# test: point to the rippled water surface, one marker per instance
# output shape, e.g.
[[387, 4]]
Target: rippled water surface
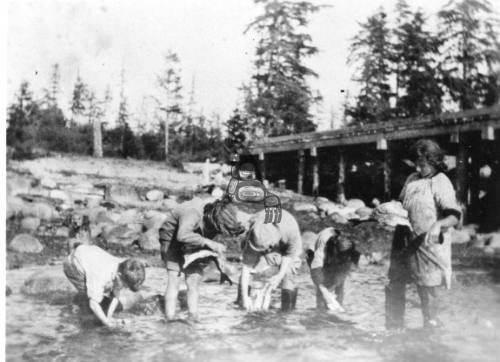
[[50, 329]]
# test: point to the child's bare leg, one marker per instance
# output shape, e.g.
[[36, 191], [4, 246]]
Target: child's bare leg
[[320, 302], [171, 293], [192, 282], [339, 292]]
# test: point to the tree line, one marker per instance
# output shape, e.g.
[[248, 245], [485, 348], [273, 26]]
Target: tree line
[[403, 70]]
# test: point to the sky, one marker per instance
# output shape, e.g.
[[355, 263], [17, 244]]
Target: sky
[[98, 38]]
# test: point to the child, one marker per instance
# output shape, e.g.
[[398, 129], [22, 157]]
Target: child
[[97, 274], [272, 245], [421, 253], [188, 228], [330, 259]]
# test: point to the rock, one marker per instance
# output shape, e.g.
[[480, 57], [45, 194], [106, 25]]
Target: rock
[[62, 231], [46, 283], [154, 219], [217, 192], [393, 208], [321, 200], [18, 185], [30, 224], [375, 202], [328, 208], [363, 260], [168, 204], [376, 257], [305, 206], [25, 243], [120, 234], [8, 291], [15, 206], [339, 219], [489, 250], [460, 236], [493, 241], [309, 239], [485, 171], [41, 210], [130, 216], [102, 217], [95, 230], [354, 204], [124, 194], [155, 195], [150, 240], [48, 183], [364, 212], [60, 195]]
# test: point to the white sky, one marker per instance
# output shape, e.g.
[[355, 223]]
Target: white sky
[[98, 37]]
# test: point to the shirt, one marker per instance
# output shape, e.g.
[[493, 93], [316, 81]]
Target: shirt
[[99, 269], [428, 199], [289, 244]]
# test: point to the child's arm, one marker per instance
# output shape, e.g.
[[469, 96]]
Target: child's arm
[[97, 309], [275, 280], [112, 307]]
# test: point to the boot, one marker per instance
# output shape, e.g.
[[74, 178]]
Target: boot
[[288, 299]]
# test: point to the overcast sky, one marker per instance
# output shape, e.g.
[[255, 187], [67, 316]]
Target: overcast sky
[[98, 38]]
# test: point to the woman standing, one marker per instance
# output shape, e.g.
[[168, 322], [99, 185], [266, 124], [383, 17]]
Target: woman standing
[[421, 251]]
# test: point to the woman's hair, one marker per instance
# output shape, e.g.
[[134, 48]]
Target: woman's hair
[[220, 216], [133, 273], [432, 153]]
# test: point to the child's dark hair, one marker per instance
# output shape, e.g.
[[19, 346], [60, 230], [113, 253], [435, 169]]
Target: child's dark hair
[[220, 216], [133, 273], [431, 151]]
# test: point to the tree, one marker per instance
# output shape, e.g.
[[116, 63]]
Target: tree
[[371, 52], [278, 98], [52, 92], [469, 31], [238, 128], [169, 83], [415, 50], [78, 100], [22, 122]]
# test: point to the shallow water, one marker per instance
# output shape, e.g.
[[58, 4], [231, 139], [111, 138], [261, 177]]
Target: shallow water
[[50, 329]]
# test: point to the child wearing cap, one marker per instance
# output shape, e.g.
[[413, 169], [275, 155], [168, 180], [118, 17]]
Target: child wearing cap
[[272, 245], [97, 274], [330, 259], [187, 229]]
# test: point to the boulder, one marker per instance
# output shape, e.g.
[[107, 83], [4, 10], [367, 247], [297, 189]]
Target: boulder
[[62, 231], [328, 208], [393, 208], [376, 257], [60, 195], [120, 234], [217, 192], [493, 241], [46, 283], [154, 219], [48, 183], [124, 194], [95, 230], [30, 224], [354, 203], [41, 210], [126, 217], [364, 212], [305, 206], [25, 243], [321, 200], [15, 206], [149, 240], [338, 218], [155, 195], [375, 202], [18, 185], [102, 217]]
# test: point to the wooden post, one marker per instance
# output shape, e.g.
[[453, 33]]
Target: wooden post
[[461, 173], [387, 173], [262, 165], [474, 178], [300, 180], [97, 137], [341, 178], [315, 186]]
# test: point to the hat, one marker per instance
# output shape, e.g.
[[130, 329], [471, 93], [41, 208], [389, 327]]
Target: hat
[[262, 237]]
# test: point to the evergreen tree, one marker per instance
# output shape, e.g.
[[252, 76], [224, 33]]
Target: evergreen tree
[[371, 52], [169, 83], [278, 99], [418, 85], [238, 129], [78, 100], [469, 29], [95, 111], [52, 92]]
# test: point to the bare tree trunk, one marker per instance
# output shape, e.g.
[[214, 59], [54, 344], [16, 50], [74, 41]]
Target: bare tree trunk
[[341, 177], [166, 137], [97, 137]]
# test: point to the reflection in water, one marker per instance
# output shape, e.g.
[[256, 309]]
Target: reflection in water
[[51, 329]]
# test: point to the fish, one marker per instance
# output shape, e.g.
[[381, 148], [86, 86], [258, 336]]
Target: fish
[[219, 260]]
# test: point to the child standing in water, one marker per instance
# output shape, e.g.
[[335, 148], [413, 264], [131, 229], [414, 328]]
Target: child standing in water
[[275, 246], [421, 253], [188, 228], [97, 274]]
